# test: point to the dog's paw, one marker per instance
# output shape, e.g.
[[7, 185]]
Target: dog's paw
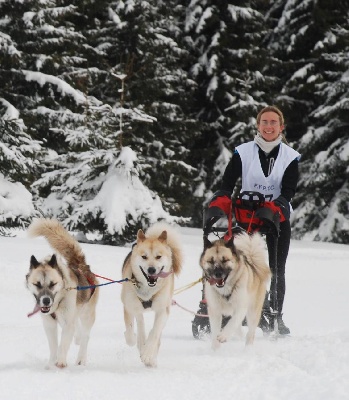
[[131, 338], [222, 338], [61, 364], [149, 360], [81, 361], [149, 354]]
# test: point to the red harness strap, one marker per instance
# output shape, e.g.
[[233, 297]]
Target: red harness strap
[[229, 234], [250, 224], [246, 218]]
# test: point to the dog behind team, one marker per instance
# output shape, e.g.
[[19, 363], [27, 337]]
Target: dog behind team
[[49, 281], [236, 276], [150, 266]]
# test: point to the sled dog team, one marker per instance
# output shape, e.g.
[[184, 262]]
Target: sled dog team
[[236, 275]]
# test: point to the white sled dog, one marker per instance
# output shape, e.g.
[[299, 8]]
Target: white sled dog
[[237, 276], [50, 281], [150, 267]]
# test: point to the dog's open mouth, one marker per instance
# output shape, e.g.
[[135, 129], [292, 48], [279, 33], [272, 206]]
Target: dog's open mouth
[[152, 279], [37, 308], [219, 282]]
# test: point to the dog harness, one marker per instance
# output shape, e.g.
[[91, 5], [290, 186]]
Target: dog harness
[[145, 303]]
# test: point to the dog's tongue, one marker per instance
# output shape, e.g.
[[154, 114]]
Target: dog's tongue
[[213, 281], [36, 309], [162, 274]]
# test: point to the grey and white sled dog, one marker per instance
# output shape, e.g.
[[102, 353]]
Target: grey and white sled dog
[[236, 278], [150, 266], [50, 280]]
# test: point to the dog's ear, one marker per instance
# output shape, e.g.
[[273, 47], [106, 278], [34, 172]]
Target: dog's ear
[[33, 262], [140, 236], [53, 262], [163, 236], [230, 245], [207, 243]]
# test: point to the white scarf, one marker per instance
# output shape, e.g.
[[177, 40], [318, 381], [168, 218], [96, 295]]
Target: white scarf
[[267, 147]]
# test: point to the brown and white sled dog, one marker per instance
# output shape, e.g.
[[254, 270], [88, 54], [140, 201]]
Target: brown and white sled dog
[[236, 276], [150, 266], [50, 280]]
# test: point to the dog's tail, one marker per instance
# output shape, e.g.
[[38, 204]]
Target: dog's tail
[[253, 248], [173, 241], [60, 240]]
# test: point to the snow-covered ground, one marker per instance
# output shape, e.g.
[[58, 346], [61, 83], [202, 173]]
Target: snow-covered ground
[[313, 363]]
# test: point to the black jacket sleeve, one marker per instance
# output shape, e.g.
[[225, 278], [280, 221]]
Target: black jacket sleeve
[[288, 188], [290, 180], [232, 173]]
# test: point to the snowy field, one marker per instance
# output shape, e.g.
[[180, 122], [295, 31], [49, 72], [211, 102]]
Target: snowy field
[[311, 364]]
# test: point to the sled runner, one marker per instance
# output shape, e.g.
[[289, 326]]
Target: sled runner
[[248, 213]]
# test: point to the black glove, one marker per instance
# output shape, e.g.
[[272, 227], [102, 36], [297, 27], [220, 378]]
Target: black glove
[[218, 207], [284, 206], [219, 193]]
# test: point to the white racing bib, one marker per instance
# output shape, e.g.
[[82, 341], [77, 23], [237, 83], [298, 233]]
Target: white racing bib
[[253, 178]]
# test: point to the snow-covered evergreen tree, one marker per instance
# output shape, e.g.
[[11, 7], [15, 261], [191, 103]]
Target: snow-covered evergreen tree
[[152, 56], [225, 37], [95, 185], [18, 165], [199, 71], [310, 42], [296, 29], [322, 204], [65, 67]]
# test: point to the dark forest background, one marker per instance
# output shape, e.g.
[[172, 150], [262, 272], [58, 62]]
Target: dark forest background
[[180, 83]]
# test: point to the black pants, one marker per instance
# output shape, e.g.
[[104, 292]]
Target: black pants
[[283, 246]]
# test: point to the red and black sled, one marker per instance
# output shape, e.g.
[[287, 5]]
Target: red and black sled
[[248, 213]]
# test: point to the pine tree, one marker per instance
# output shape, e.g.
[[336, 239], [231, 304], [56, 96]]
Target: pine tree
[[225, 37], [18, 163], [195, 75], [93, 41], [75, 106], [18, 152], [312, 50], [295, 31], [151, 55], [95, 186], [43, 39], [322, 211]]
